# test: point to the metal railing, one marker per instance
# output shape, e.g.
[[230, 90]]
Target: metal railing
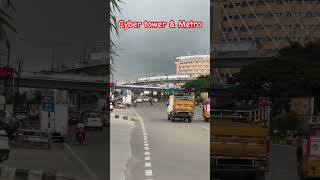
[[257, 114]]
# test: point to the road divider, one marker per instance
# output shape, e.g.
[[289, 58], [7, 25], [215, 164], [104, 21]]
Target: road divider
[[26, 174], [122, 117]]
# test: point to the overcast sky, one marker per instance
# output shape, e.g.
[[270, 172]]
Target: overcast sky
[[63, 24], [153, 51]]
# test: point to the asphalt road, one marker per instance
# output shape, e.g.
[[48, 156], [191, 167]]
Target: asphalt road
[[94, 154], [283, 163], [89, 161], [177, 151]]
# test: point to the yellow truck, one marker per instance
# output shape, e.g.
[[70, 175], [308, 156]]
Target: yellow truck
[[180, 107], [308, 152], [239, 140]]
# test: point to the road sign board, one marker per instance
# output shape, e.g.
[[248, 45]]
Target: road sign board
[[47, 103]]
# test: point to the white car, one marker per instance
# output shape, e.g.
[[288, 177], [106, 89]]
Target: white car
[[146, 99], [139, 100], [111, 107], [155, 100], [94, 121]]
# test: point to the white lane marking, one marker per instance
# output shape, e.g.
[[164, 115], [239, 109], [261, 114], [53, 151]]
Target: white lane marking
[[86, 167], [205, 127], [148, 172], [147, 164]]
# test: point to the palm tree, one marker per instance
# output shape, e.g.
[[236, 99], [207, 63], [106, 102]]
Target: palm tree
[[5, 24], [113, 21]]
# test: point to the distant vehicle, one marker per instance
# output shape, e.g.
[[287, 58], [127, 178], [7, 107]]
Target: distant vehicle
[[111, 107], [146, 99], [93, 121], [4, 146], [74, 118], [206, 111], [139, 100]]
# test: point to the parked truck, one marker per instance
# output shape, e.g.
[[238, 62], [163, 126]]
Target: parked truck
[[181, 106], [239, 143]]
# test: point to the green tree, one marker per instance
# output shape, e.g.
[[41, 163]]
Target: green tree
[[294, 73], [201, 84], [288, 121]]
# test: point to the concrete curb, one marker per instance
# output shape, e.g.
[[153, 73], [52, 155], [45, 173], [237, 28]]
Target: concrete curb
[[122, 117], [26, 174]]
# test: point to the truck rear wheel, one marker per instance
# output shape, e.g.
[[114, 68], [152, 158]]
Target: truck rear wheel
[[172, 119]]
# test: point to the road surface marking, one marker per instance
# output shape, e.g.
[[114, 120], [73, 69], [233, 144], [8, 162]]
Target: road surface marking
[[147, 158], [205, 127], [147, 164], [148, 172], [85, 166]]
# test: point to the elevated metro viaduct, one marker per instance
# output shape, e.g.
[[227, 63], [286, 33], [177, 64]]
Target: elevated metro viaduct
[[226, 63]]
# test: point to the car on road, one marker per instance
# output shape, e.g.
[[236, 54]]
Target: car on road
[[4, 146], [139, 100], [111, 107], [155, 100], [120, 105], [93, 121], [146, 99]]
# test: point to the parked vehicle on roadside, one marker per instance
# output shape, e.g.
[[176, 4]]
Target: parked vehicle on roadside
[[139, 100], [93, 121]]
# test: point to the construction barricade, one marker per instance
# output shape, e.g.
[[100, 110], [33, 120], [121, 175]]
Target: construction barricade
[[33, 138]]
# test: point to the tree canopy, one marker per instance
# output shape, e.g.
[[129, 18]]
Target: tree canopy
[[201, 84], [295, 72]]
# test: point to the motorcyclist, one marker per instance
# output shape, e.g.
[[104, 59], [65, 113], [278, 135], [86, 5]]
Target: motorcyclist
[[80, 129]]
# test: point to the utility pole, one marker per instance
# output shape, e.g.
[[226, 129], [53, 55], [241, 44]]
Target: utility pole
[[52, 60]]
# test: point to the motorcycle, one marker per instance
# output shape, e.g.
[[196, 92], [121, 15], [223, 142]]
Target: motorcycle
[[80, 137], [151, 103]]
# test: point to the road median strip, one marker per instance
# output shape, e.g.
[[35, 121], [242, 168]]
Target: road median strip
[[27, 174], [122, 117]]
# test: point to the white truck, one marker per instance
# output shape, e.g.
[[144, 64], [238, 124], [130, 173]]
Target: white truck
[[55, 119], [126, 100]]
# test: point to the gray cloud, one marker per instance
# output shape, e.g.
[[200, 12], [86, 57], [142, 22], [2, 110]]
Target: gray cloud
[[153, 51]]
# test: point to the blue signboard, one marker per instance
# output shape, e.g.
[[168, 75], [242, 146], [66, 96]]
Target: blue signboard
[[47, 103]]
